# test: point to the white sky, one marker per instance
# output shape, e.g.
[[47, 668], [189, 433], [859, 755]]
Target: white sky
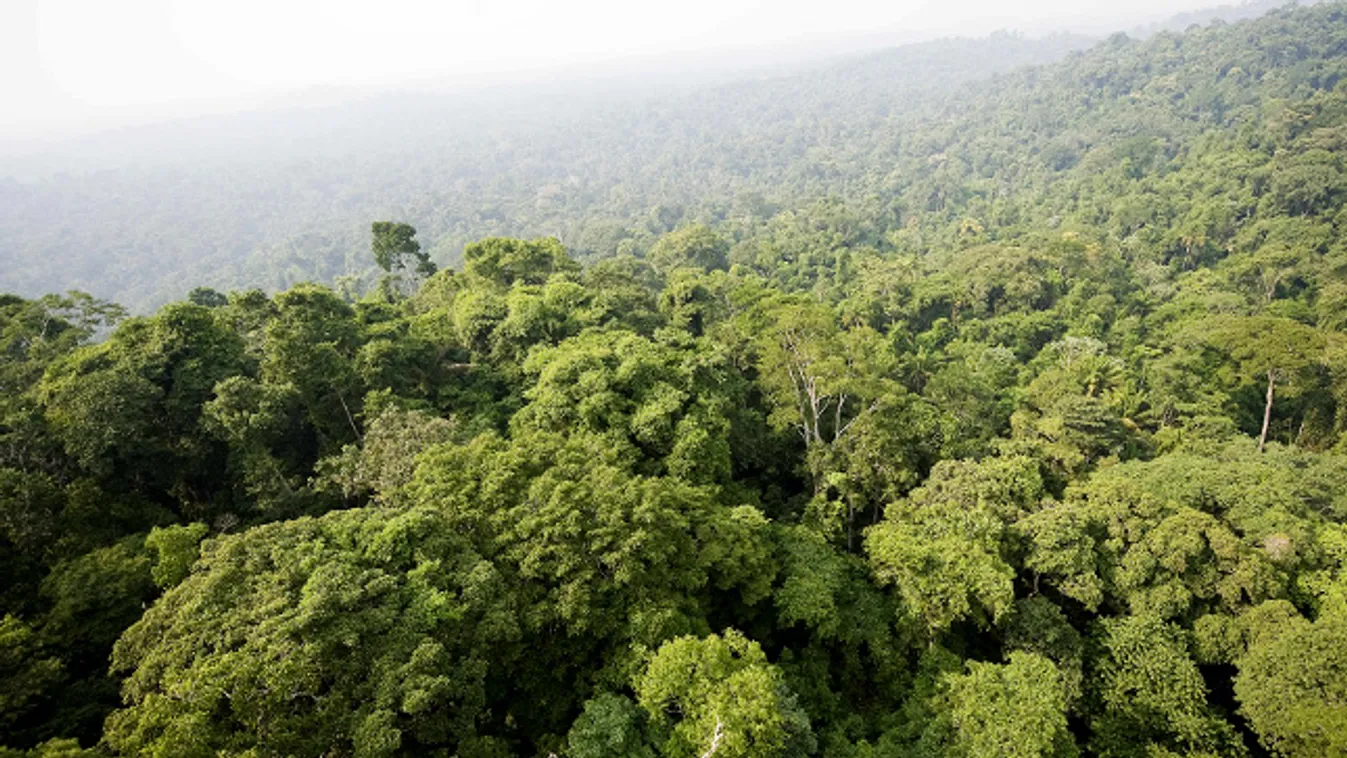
[[77, 65]]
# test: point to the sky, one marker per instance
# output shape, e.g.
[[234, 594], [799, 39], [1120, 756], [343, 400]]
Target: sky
[[73, 66]]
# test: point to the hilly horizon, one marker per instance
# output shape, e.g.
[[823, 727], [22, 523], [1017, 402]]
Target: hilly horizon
[[459, 167]]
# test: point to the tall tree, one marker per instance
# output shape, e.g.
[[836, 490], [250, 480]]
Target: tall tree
[[393, 243], [1276, 350]]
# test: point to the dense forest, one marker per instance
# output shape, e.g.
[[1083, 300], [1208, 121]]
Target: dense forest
[[902, 420]]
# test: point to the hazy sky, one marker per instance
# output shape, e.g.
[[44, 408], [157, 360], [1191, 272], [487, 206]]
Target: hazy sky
[[76, 65]]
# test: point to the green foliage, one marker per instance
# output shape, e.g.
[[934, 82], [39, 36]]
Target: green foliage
[[1292, 689], [1040, 627], [175, 549], [1012, 709], [96, 596], [693, 246], [944, 548], [1178, 537], [719, 694], [611, 552], [504, 262], [668, 403], [1073, 414], [364, 631], [386, 458], [310, 346], [1146, 690], [55, 748], [1027, 442], [611, 727], [25, 674], [1266, 350], [129, 407], [394, 242], [207, 297]]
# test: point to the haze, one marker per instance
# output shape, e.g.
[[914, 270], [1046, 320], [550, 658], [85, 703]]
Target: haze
[[72, 66]]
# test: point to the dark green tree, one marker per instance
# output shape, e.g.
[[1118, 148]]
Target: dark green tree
[[394, 243]]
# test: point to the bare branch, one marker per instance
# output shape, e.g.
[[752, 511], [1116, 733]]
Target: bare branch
[[856, 418], [715, 739], [350, 419]]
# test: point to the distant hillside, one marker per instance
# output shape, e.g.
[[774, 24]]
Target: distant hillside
[[271, 198], [1230, 13], [913, 150]]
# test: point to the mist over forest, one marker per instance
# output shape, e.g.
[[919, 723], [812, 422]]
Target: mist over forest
[[275, 196], [974, 396]]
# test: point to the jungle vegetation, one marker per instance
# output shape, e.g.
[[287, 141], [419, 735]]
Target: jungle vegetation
[[1011, 422]]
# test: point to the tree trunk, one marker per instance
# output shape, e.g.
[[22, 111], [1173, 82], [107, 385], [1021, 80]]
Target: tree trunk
[[851, 525], [1267, 409]]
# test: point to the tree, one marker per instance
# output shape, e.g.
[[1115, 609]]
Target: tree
[[1276, 349], [607, 553], [393, 243], [1172, 538], [207, 297], [720, 689], [34, 333], [128, 409], [944, 548], [310, 346], [93, 598], [387, 456], [945, 569], [363, 632], [1039, 626], [821, 379], [26, 675], [1016, 709], [671, 403], [611, 726], [1075, 412], [1292, 688], [96, 596], [256, 422], [505, 261], [1143, 687], [693, 246], [175, 549]]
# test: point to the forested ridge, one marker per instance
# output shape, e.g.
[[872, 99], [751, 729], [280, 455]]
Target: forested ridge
[[277, 198], [1024, 433], [280, 197]]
